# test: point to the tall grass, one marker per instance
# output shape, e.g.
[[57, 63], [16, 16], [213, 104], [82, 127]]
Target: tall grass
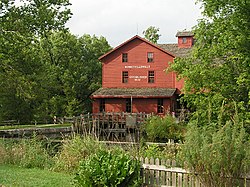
[[74, 150], [35, 153], [29, 153], [218, 152]]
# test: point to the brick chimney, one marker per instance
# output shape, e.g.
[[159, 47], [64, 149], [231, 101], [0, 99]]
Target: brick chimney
[[185, 39]]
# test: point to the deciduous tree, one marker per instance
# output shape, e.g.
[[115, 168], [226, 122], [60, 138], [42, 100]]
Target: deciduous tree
[[219, 67], [152, 34], [21, 28], [217, 89]]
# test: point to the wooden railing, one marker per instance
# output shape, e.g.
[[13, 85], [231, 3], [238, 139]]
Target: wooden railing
[[111, 126], [166, 173], [9, 123], [163, 173]]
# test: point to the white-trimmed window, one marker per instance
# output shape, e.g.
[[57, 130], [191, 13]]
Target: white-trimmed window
[[151, 76], [125, 77], [124, 57], [150, 57]]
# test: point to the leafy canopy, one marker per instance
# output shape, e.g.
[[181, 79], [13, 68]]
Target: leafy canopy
[[219, 68], [151, 34], [45, 70]]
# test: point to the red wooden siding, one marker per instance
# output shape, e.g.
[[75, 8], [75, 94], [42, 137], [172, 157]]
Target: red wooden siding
[[135, 71], [137, 67], [188, 44], [138, 105]]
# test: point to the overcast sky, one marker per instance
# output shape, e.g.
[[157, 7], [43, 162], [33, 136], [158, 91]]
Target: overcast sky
[[119, 20]]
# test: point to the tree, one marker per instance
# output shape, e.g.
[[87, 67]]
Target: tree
[[151, 34], [75, 71], [218, 70], [21, 29], [217, 89]]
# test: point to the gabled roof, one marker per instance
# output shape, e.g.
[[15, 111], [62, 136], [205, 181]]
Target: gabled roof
[[184, 33], [135, 92], [174, 49], [131, 39]]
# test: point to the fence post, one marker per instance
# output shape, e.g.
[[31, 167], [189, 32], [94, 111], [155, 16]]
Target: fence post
[[146, 161], [168, 177], [152, 172]]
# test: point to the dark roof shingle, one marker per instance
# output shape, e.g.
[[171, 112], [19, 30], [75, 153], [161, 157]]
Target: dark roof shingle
[[135, 92], [175, 50], [184, 33]]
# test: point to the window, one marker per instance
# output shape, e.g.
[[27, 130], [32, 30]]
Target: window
[[124, 57], [124, 77], [128, 105], [184, 40], [151, 77], [150, 57], [102, 105], [160, 106]]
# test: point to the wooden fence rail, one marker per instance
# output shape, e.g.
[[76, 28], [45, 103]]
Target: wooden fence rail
[[165, 173], [111, 126], [9, 123]]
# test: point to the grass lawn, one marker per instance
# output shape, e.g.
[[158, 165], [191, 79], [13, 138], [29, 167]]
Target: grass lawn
[[13, 176], [35, 126]]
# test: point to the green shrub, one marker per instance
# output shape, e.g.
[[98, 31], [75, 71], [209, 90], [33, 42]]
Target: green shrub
[[160, 152], [162, 129], [3, 152], [219, 154], [108, 169], [74, 150], [29, 153]]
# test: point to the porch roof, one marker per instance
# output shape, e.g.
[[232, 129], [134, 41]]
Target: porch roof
[[134, 92]]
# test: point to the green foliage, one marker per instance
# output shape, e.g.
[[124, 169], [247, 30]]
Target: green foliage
[[163, 129], [218, 152], [22, 27], [73, 151], [45, 70], [151, 34], [160, 152], [28, 153], [108, 169], [74, 73], [218, 74], [218, 70]]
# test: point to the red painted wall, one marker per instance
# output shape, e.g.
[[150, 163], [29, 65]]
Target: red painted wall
[[188, 44], [137, 67], [138, 105]]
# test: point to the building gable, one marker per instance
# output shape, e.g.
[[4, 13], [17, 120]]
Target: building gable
[[133, 40], [134, 77], [138, 68]]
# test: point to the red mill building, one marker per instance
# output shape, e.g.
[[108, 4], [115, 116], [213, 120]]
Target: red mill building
[[134, 77]]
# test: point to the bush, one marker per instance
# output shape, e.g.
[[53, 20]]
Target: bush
[[74, 150], [219, 154], [162, 129], [160, 152], [108, 169], [29, 153]]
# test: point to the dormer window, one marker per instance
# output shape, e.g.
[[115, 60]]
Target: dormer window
[[184, 40], [124, 57], [150, 57]]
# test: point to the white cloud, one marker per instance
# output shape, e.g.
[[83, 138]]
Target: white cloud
[[119, 20]]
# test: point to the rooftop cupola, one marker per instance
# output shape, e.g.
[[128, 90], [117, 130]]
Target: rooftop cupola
[[185, 39]]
